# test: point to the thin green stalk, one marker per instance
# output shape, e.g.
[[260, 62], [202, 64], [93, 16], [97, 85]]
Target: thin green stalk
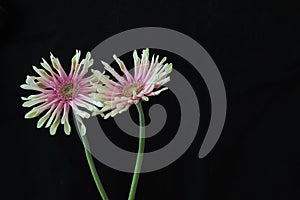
[[139, 158], [92, 166]]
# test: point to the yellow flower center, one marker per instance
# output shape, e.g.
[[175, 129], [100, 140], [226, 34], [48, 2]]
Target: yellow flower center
[[67, 91]]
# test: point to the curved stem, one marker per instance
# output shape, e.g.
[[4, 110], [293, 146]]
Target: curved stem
[[93, 170], [139, 158], [92, 166]]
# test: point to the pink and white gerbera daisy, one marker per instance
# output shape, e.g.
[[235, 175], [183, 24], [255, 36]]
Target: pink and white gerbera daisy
[[59, 92], [117, 97]]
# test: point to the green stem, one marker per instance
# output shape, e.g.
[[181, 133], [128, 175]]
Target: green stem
[[92, 166], [139, 158]]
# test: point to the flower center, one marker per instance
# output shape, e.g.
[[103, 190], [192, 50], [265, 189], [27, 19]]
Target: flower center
[[132, 88], [67, 91]]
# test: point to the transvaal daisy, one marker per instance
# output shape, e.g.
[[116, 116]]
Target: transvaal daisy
[[59, 91], [117, 97]]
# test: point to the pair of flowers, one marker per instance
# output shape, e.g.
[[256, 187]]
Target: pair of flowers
[[92, 95], [96, 94]]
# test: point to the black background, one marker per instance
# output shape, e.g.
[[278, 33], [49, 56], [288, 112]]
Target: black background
[[255, 46]]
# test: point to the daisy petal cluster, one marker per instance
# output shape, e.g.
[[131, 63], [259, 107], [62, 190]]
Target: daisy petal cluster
[[58, 92], [117, 96]]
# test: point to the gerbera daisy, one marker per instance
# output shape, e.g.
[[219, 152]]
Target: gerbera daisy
[[117, 97], [59, 92]]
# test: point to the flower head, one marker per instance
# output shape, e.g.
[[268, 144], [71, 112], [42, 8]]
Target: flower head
[[59, 91], [118, 96]]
